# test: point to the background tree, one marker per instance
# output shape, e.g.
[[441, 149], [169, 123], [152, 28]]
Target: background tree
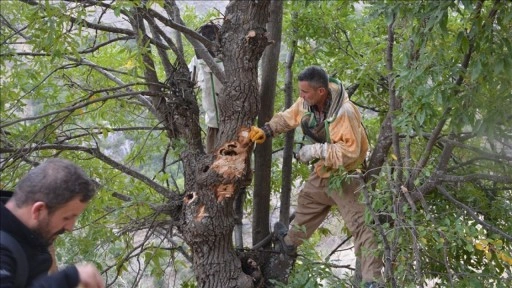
[[263, 152], [419, 68]]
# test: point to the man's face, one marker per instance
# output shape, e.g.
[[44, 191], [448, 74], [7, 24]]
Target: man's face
[[312, 96], [49, 226]]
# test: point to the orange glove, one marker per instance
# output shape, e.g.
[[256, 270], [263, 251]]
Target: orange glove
[[257, 135]]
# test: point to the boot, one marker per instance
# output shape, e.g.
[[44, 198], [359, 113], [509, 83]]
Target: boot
[[280, 230]]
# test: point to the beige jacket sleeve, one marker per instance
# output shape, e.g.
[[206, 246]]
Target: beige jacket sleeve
[[288, 119]]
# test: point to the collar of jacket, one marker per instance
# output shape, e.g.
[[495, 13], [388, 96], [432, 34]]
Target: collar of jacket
[[12, 225], [339, 96]]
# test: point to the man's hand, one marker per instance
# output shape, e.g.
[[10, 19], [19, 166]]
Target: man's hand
[[90, 276], [313, 151], [257, 135]]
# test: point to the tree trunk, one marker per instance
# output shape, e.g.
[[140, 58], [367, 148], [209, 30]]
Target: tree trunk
[[263, 152], [207, 218], [286, 183]]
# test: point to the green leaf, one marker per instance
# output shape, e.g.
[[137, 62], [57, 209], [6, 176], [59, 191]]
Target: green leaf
[[476, 70], [443, 21], [104, 132]]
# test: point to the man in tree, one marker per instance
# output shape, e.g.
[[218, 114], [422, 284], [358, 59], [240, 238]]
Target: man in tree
[[46, 203], [333, 123], [210, 86]]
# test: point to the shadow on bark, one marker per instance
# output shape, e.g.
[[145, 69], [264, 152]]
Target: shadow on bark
[[267, 267]]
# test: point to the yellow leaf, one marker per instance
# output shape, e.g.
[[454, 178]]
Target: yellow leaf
[[394, 156], [78, 112], [129, 64], [505, 258]]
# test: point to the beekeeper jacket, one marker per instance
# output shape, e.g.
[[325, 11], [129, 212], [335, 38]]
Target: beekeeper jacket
[[211, 87], [347, 143]]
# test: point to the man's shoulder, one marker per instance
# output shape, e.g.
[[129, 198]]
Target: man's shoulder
[[9, 222], [5, 195], [10, 246], [13, 260], [336, 89]]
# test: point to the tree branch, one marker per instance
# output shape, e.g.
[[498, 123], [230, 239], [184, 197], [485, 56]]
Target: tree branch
[[140, 97], [164, 58], [150, 74], [16, 31], [387, 248], [475, 177], [182, 28], [96, 47], [428, 149], [464, 65], [196, 40], [96, 153], [78, 106], [167, 39], [493, 156], [98, 130], [472, 214], [435, 178]]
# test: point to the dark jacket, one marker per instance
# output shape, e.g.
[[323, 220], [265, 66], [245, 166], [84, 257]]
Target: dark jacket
[[38, 258]]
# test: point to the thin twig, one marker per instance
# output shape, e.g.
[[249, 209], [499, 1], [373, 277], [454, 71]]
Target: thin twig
[[472, 213], [387, 248]]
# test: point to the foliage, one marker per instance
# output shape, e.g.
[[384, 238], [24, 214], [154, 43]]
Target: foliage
[[310, 270], [431, 43], [117, 225]]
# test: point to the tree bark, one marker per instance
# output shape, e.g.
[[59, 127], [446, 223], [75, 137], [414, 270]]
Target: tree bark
[[263, 152], [286, 182], [208, 219]]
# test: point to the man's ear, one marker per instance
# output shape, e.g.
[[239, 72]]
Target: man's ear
[[39, 209], [322, 91]]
